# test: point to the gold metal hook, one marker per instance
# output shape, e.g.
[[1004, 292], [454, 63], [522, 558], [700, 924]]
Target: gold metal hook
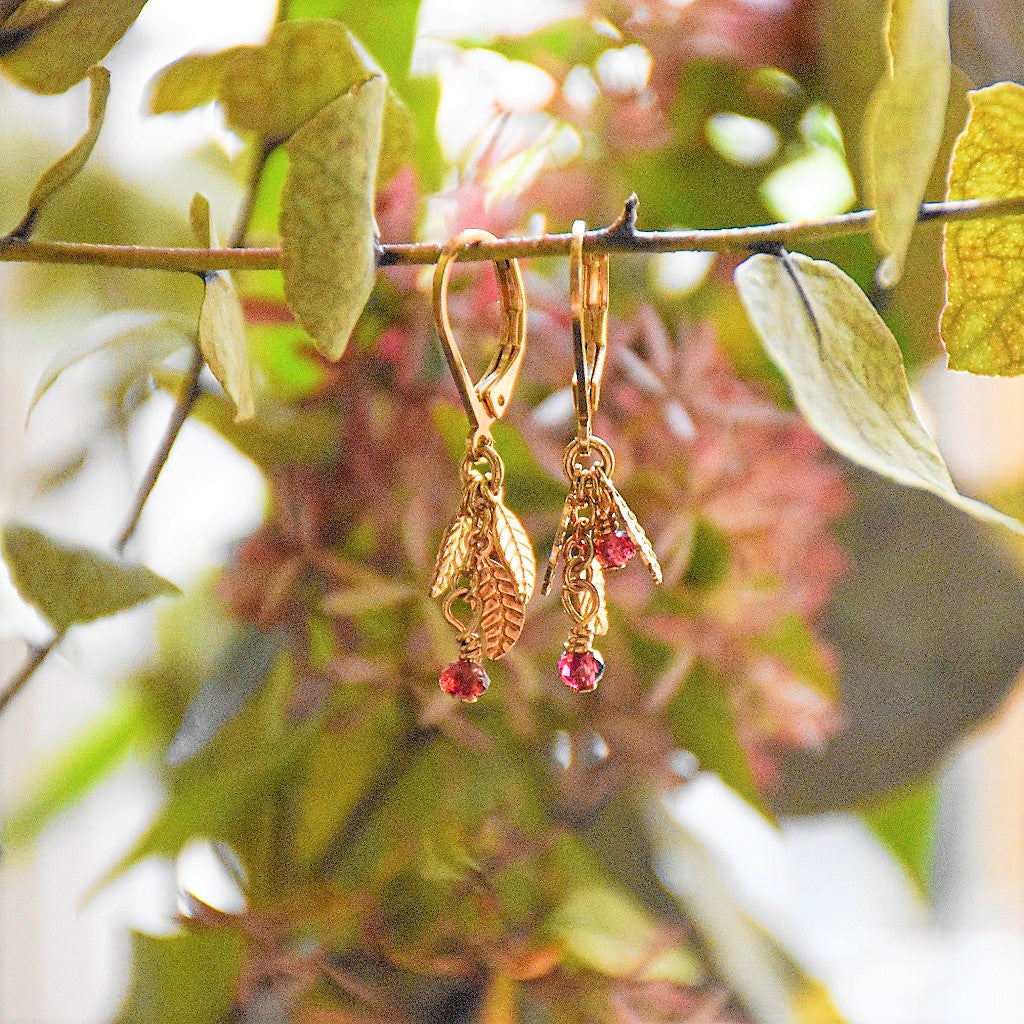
[[588, 296], [488, 400]]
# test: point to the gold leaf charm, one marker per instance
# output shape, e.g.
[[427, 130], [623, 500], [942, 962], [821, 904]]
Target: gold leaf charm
[[453, 556], [557, 545], [636, 532], [502, 609], [510, 541]]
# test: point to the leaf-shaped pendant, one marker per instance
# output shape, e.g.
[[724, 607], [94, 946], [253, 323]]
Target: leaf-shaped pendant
[[511, 543], [502, 609], [557, 545], [453, 556], [636, 532]]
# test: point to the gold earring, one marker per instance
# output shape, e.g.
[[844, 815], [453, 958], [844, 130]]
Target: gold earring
[[598, 530], [485, 568]]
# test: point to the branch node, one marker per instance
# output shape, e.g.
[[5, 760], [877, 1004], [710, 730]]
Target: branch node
[[769, 249], [381, 256], [624, 226], [22, 232]]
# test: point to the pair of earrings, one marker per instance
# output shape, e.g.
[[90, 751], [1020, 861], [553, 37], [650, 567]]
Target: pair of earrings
[[486, 571]]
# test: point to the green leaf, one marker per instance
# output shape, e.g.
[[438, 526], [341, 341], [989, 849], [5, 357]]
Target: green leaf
[[187, 978], [794, 643], [68, 166], [220, 794], [245, 665], [222, 324], [399, 142], [983, 320], [905, 823], [124, 333], [342, 763], [709, 558], [602, 929], [327, 222], [846, 372], [905, 124], [274, 89], [389, 34], [79, 766], [193, 81], [65, 40], [388, 30], [702, 720], [69, 584]]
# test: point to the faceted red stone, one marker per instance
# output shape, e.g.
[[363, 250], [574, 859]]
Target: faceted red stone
[[465, 680], [580, 670], [614, 550]]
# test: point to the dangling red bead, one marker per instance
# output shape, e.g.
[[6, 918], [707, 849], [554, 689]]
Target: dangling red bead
[[614, 550], [580, 670], [466, 680]]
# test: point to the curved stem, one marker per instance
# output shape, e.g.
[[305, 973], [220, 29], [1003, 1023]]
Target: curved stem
[[180, 413], [620, 237]]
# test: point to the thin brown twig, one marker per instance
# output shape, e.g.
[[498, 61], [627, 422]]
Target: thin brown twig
[[179, 414], [619, 237], [245, 210], [36, 656]]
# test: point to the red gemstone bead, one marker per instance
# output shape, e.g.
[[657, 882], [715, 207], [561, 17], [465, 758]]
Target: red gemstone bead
[[614, 550], [466, 680], [580, 670]]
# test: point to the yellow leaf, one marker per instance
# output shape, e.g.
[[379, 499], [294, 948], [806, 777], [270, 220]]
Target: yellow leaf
[[846, 372], [222, 325], [274, 89], [327, 222], [65, 40], [65, 169], [603, 929], [193, 81], [905, 122], [983, 320]]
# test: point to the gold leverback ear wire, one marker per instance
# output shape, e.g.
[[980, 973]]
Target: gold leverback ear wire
[[588, 297], [598, 529], [485, 571], [488, 400]]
